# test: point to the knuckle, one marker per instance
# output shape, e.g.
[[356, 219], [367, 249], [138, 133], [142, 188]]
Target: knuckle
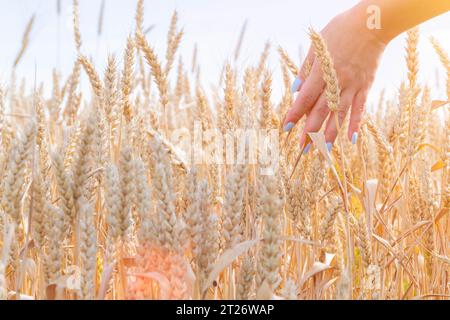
[[357, 117], [345, 75], [306, 99], [361, 108], [323, 111], [295, 113], [342, 113]]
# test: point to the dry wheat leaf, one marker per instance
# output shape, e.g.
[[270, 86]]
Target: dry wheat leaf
[[320, 285], [438, 165], [384, 242], [442, 258], [422, 146], [435, 104], [354, 188], [303, 241], [173, 150], [328, 284], [316, 268], [441, 214], [318, 139], [164, 283], [417, 226], [297, 161], [329, 257], [226, 259]]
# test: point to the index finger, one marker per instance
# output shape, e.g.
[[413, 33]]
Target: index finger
[[307, 97]]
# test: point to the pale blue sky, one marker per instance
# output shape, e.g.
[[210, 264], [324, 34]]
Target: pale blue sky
[[213, 24]]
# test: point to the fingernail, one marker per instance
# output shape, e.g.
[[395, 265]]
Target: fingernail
[[295, 85], [288, 126], [354, 137], [329, 146], [307, 148]]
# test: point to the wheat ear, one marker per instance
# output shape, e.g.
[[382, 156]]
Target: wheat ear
[[25, 41], [76, 25], [332, 91], [88, 251], [127, 78]]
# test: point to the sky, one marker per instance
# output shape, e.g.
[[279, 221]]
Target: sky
[[214, 25]]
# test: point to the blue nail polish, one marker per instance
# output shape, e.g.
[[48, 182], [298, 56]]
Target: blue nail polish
[[307, 148], [329, 146], [288, 126], [295, 85], [354, 137]]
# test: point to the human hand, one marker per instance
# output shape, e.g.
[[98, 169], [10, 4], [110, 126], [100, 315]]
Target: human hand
[[356, 53]]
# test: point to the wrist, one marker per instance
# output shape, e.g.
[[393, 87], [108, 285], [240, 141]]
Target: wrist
[[367, 22]]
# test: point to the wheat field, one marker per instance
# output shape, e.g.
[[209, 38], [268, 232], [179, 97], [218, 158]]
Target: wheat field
[[104, 194]]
